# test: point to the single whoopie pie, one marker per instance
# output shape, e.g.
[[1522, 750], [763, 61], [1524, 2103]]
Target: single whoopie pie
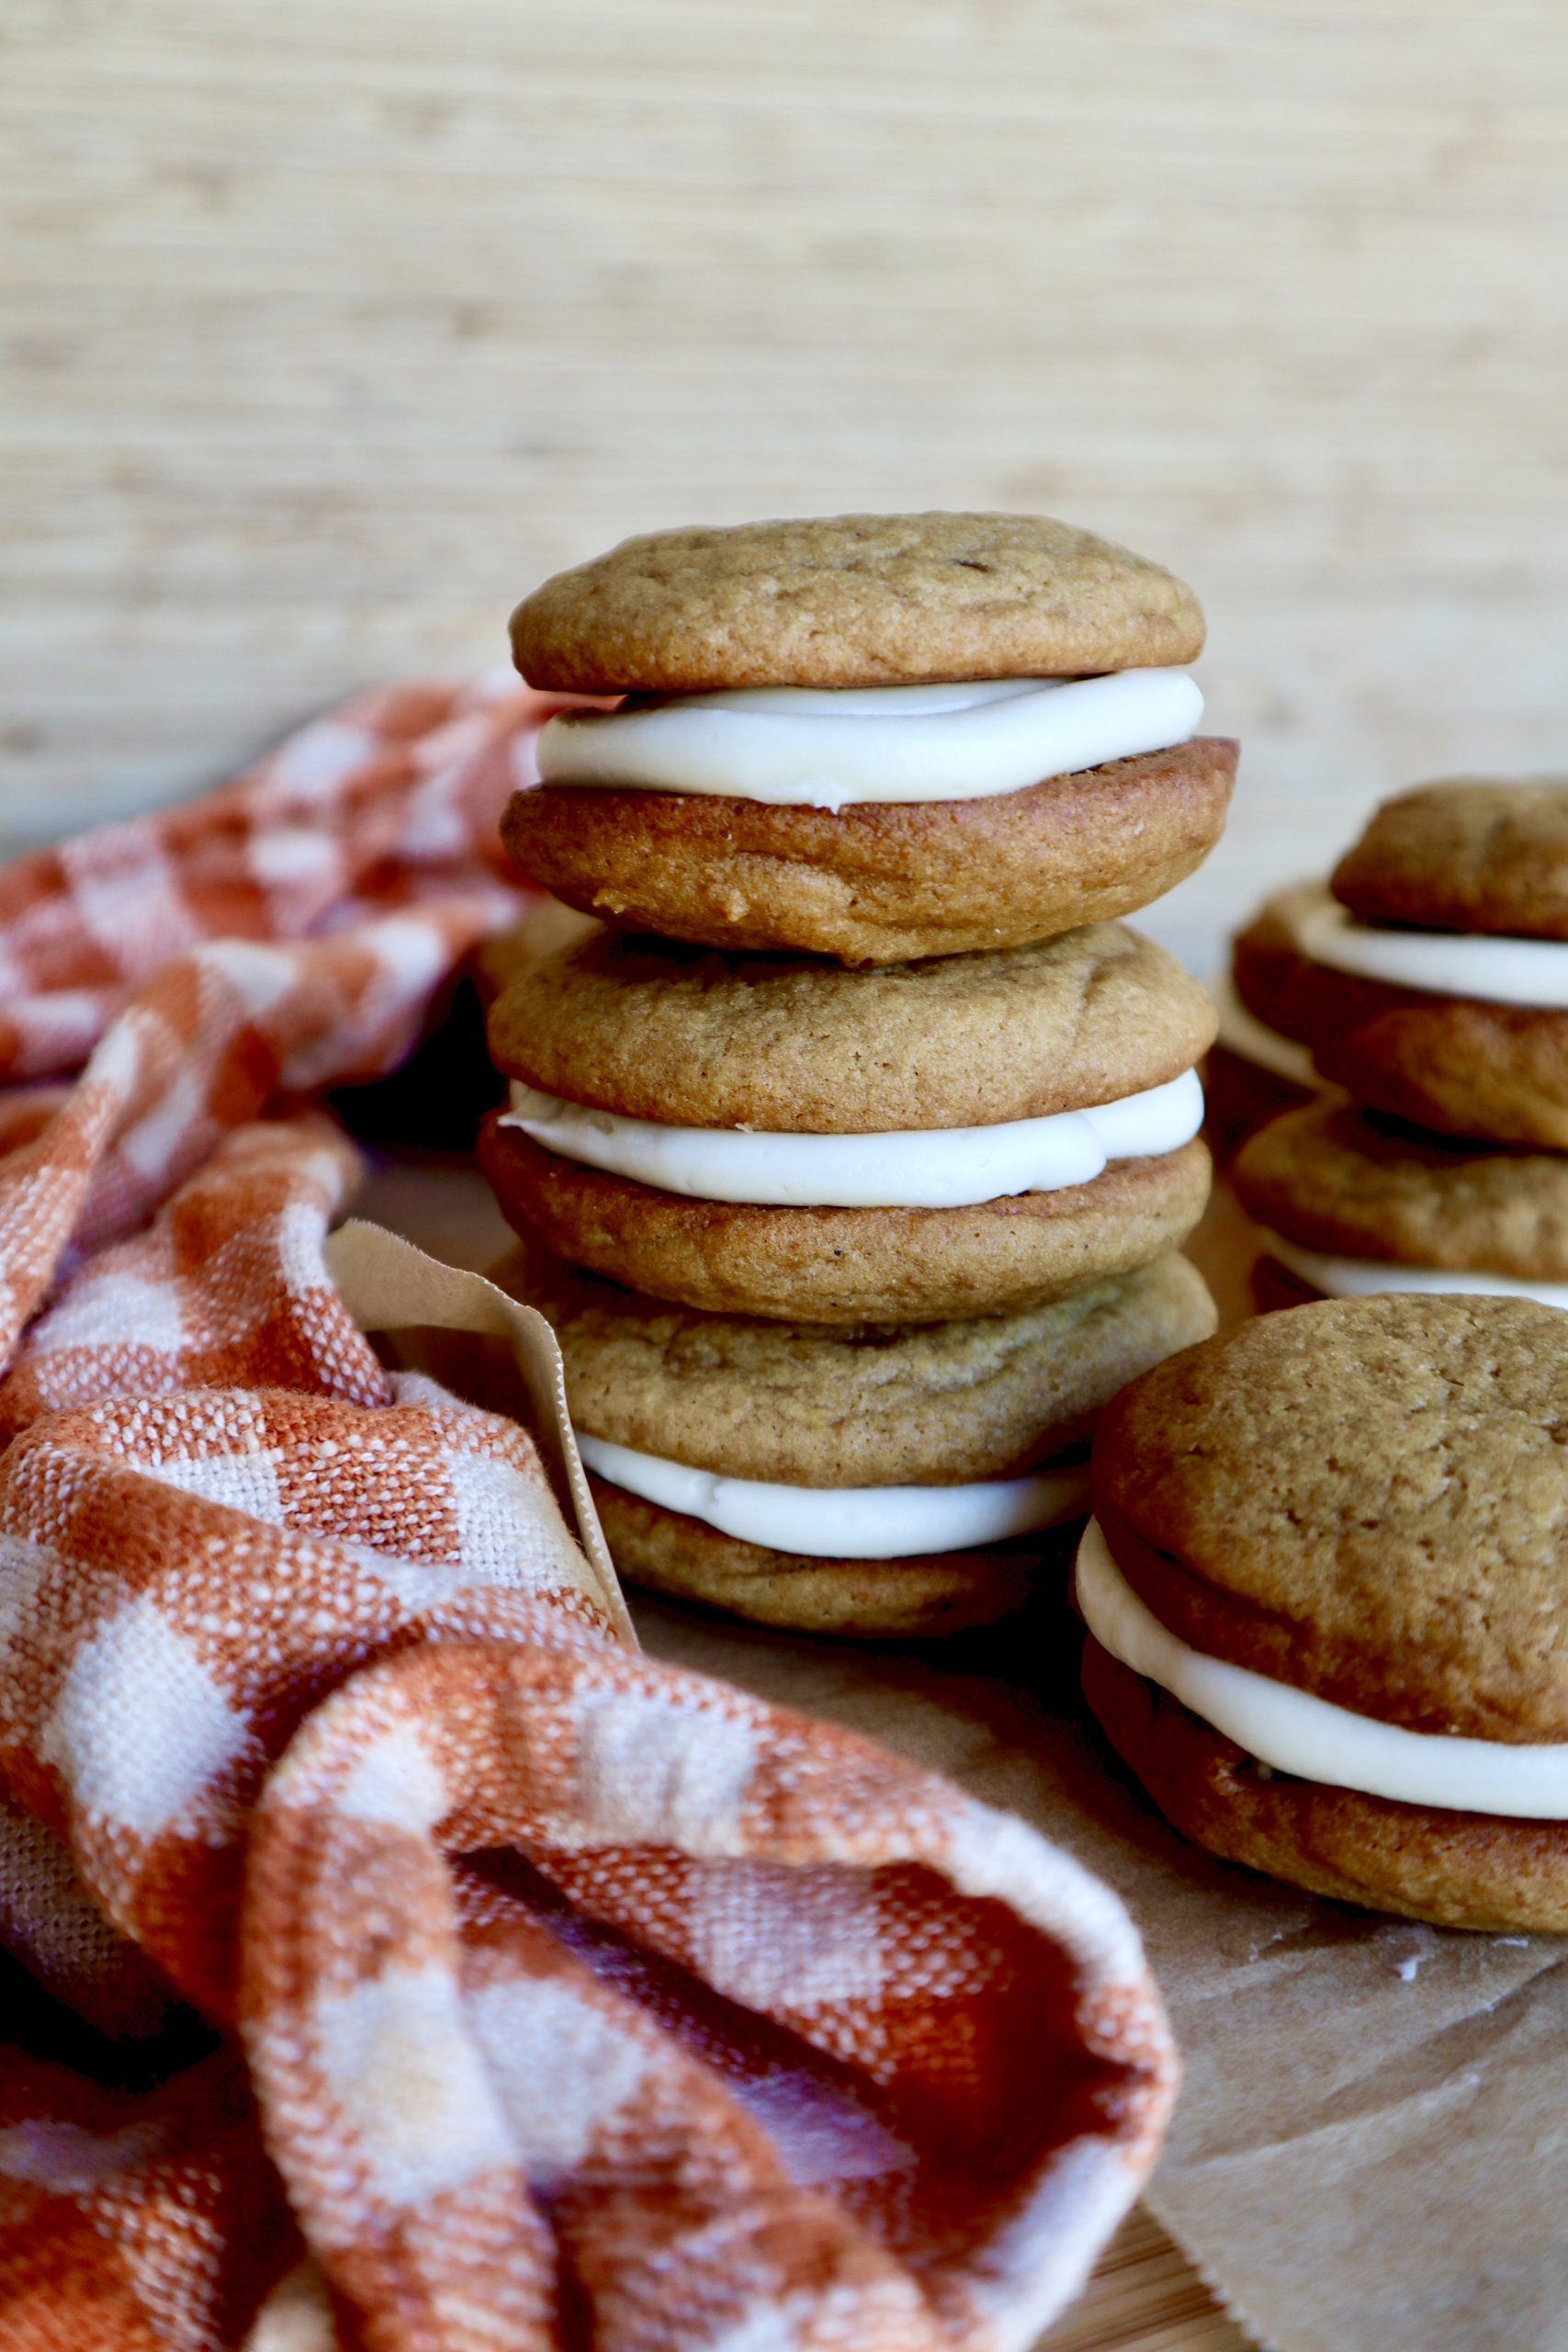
[[933, 734], [1353, 1203], [1326, 1588], [1431, 980], [797, 1432], [777, 1136]]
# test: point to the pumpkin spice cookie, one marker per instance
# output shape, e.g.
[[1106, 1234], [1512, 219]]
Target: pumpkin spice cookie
[[1326, 1592], [922, 1596], [824, 1405], [1353, 1203], [1430, 982], [1467, 1066], [775, 1136], [656, 1029], [848, 1265], [874, 884], [1465, 855], [877, 1479], [872, 737], [853, 600]]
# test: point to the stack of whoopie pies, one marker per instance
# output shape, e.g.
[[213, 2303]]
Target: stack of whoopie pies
[[1429, 981], [853, 1154]]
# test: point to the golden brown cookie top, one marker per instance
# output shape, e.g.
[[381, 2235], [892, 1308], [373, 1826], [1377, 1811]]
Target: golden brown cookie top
[[877, 1405], [1329, 1177], [1367, 1499], [1467, 855], [854, 600], [695, 1038]]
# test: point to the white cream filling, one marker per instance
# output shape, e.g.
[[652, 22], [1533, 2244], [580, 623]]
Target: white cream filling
[[798, 747], [1293, 1731], [845, 1522], [1531, 972], [925, 1168], [1366, 1277], [1242, 1032]]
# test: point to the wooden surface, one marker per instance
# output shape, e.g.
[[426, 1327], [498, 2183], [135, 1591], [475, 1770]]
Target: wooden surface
[[1145, 2297], [330, 328]]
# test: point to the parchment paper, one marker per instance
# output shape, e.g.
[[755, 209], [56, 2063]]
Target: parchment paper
[[1371, 2150], [390, 1285]]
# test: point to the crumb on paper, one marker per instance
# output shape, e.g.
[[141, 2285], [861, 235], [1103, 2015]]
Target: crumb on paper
[[1412, 1946]]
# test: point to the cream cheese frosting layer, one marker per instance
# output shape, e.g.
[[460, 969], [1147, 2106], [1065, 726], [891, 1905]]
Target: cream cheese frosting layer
[[804, 747], [1241, 1033], [1295, 1732], [931, 1168], [845, 1522], [1365, 1277], [1531, 972]]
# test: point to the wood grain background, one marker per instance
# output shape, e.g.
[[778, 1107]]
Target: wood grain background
[[329, 328]]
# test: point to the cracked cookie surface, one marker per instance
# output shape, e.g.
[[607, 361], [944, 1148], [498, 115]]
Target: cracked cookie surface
[[876, 1404], [854, 600], [1367, 1499], [652, 1029]]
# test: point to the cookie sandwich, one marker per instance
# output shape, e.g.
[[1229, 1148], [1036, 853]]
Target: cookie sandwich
[[876, 738], [1352, 1203], [777, 1136], [874, 1480], [1430, 978], [1325, 1589]]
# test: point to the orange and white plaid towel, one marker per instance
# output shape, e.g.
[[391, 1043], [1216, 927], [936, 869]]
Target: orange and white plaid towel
[[564, 1998]]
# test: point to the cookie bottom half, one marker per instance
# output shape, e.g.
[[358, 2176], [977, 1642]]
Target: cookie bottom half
[[836, 1265], [881, 882], [930, 1594], [1456, 1869], [1495, 1072]]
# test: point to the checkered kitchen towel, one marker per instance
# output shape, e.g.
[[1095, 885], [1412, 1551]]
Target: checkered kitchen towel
[[561, 1997]]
